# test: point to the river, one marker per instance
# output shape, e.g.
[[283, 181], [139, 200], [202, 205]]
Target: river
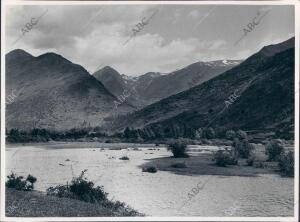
[[159, 194]]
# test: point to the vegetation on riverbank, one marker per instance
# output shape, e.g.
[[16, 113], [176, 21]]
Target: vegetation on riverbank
[[19, 183], [242, 159], [204, 163], [80, 194], [38, 204], [178, 148], [96, 134]]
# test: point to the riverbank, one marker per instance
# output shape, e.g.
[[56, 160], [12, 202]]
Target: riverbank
[[202, 164], [38, 204], [80, 144]]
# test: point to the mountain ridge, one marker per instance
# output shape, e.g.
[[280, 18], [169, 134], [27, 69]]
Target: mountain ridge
[[154, 86], [54, 93], [195, 107]]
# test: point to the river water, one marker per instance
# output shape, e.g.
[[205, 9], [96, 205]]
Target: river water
[[158, 194]]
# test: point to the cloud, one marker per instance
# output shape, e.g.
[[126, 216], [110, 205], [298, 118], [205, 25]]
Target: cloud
[[194, 14], [94, 35]]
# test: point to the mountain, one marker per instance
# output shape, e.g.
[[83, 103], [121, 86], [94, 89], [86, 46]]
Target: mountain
[[153, 86], [163, 86], [258, 94], [52, 92], [119, 85], [111, 79]]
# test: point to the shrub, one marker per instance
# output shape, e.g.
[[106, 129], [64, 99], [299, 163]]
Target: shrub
[[19, 183], [178, 148], [205, 141], [198, 134], [31, 179], [224, 158], [124, 158], [178, 165], [250, 160], [273, 150], [209, 133], [230, 134], [259, 164], [149, 169], [241, 134], [242, 148], [286, 163], [81, 189]]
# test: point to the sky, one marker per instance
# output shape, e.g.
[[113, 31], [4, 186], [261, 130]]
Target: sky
[[170, 37]]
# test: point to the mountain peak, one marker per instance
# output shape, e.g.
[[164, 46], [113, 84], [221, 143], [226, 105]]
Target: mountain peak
[[51, 55], [108, 68], [52, 58], [111, 79], [18, 54], [106, 71]]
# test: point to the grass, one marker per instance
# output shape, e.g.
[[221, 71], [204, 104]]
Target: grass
[[202, 164], [178, 165], [79, 189], [37, 204]]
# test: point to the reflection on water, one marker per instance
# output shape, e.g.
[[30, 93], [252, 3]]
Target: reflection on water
[[159, 194]]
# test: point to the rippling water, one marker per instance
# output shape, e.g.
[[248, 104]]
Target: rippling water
[[159, 194]]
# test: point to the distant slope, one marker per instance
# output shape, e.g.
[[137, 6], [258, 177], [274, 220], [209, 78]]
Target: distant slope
[[52, 92], [183, 79], [111, 79], [152, 87], [264, 83]]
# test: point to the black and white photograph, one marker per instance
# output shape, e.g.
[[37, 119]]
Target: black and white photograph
[[149, 110]]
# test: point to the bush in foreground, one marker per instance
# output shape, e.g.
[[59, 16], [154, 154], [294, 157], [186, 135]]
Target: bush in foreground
[[150, 169], [273, 150], [178, 148], [80, 188], [18, 182], [286, 163], [224, 158]]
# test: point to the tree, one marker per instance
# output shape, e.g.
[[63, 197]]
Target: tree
[[210, 133], [178, 148], [198, 134], [127, 133], [242, 148], [230, 134], [241, 134], [274, 149], [286, 163]]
